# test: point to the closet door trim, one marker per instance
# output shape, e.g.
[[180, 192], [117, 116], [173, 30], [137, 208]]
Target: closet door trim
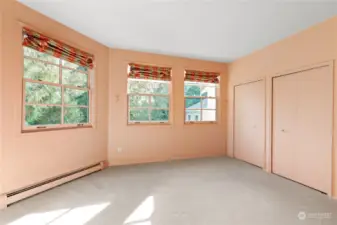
[[233, 127], [305, 68], [330, 65]]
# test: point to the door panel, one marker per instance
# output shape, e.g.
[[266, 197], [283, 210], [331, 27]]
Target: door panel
[[284, 119], [302, 127], [249, 123]]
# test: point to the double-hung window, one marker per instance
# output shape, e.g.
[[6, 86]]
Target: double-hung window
[[148, 94], [56, 83], [200, 96]]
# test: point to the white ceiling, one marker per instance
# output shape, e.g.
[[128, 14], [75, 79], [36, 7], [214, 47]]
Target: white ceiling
[[218, 30]]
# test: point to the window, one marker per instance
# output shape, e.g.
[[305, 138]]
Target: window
[[200, 97], [56, 91], [148, 95]]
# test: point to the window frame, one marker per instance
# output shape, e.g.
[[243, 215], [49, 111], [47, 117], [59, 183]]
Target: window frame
[[150, 107], [201, 109], [62, 105]]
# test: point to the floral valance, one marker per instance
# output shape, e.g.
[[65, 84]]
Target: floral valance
[[139, 71], [200, 76], [42, 43]]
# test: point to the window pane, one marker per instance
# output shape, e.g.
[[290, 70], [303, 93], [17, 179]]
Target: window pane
[[209, 103], [192, 103], [74, 78], [74, 66], [43, 94], [208, 115], [39, 55], [147, 87], [192, 90], [41, 71], [138, 101], [160, 102], [76, 97], [160, 88], [159, 115], [139, 115], [74, 115], [42, 115], [192, 115], [208, 90]]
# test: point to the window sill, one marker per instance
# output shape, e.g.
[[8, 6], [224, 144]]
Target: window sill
[[200, 122], [34, 130], [148, 123]]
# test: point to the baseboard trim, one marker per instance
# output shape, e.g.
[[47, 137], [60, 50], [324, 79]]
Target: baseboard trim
[[159, 160], [198, 157], [3, 202], [15, 196]]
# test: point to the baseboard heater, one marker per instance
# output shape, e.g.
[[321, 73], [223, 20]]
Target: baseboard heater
[[26, 192]]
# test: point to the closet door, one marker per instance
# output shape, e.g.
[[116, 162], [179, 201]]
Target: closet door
[[302, 127], [249, 123], [284, 125]]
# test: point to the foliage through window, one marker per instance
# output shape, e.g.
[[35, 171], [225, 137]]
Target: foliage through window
[[200, 102], [56, 92], [148, 101]]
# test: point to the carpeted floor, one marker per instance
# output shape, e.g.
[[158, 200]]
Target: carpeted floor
[[213, 191]]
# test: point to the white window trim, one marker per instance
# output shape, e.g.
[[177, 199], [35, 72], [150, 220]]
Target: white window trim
[[26, 128], [200, 84], [150, 108]]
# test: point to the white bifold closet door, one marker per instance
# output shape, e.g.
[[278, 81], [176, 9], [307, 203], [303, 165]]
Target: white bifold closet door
[[249, 123], [302, 127]]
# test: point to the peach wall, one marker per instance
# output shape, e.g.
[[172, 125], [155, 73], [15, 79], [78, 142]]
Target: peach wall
[[1, 153], [150, 143], [33, 157], [316, 45]]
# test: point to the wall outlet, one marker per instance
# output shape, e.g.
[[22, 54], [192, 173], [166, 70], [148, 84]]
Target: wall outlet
[[119, 149]]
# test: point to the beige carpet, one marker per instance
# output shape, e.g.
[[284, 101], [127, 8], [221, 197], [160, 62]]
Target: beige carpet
[[214, 191]]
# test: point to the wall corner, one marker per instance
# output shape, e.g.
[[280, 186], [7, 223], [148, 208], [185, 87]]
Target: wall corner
[[105, 164]]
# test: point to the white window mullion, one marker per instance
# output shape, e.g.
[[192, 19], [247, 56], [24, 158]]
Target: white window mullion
[[142, 94], [42, 82], [43, 105], [76, 106], [74, 87]]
